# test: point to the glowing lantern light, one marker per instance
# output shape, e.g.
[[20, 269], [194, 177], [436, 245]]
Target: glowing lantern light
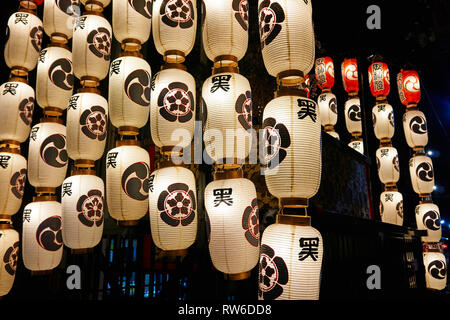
[[391, 207], [422, 174], [9, 252], [349, 70], [13, 175], [415, 129], [95, 5], [383, 121], [233, 224], [357, 145], [324, 68], [173, 108], [173, 208], [379, 80], [435, 270], [59, 17], [352, 112], [388, 165], [42, 242], [127, 182], [82, 204], [428, 218], [408, 85], [16, 111], [328, 109]]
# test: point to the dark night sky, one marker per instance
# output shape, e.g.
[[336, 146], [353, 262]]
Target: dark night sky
[[414, 33]]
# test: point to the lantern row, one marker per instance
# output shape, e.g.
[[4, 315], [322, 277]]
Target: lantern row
[[422, 180]]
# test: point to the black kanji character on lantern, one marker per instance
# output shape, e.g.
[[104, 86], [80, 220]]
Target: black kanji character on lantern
[[4, 161], [111, 159], [27, 215], [115, 67], [221, 82], [322, 97], [223, 195], [21, 17], [384, 153], [67, 189], [10, 88], [307, 109], [150, 182], [388, 197], [73, 102], [42, 55], [310, 248], [80, 22]]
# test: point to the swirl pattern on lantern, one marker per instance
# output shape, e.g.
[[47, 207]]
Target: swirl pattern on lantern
[[137, 87], [437, 269], [271, 15], [36, 35], [26, 108], [53, 151], [49, 234], [144, 7], [135, 181], [10, 258], [61, 74]]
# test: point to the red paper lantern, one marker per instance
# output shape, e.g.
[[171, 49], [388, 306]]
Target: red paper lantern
[[379, 80], [325, 72], [408, 85], [349, 70]]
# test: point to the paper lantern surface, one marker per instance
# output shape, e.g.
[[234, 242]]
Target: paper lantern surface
[[324, 69], [391, 207], [327, 108], [357, 145], [9, 254], [352, 111], [59, 17], [379, 79], [435, 270], [13, 175], [415, 128], [383, 121], [408, 85], [428, 218], [349, 71], [131, 19], [422, 174], [388, 165]]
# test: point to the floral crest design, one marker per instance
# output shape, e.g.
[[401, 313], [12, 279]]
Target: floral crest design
[[243, 108], [10, 258], [240, 8], [276, 139], [271, 15], [273, 274], [90, 208], [250, 223], [177, 205], [17, 183], [99, 41], [176, 102], [26, 108], [176, 13], [93, 123], [36, 35]]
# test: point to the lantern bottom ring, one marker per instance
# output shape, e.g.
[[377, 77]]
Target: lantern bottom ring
[[237, 276], [425, 195], [419, 149], [385, 142], [381, 99], [127, 223], [89, 81], [82, 251], [290, 78], [41, 198], [131, 44], [84, 163], [291, 219], [128, 131], [174, 56], [328, 128], [293, 202], [176, 253], [178, 66], [41, 272], [48, 118], [290, 92], [59, 39], [18, 79], [53, 111], [11, 146], [19, 71]]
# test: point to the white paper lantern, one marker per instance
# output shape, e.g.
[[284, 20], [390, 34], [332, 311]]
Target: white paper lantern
[[82, 201], [87, 120], [59, 17], [9, 254], [435, 270], [327, 108], [24, 39], [91, 48], [353, 116], [16, 110], [42, 243], [391, 207], [172, 111], [47, 155], [173, 208], [227, 99], [415, 128], [357, 145], [127, 182], [174, 27], [131, 20], [286, 35], [388, 165], [383, 121], [233, 222], [428, 218], [292, 142], [422, 174], [225, 28], [334, 134], [54, 81], [290, 263], [13, 175], [129, 92]]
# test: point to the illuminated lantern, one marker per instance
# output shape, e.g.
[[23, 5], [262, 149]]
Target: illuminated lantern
[[379, 80], [349, 70], [82, 203], [59, 17], [421, 173], [293, 147], [391, 207], [388, 165], [129, 92], [127, 182], [290, 263], [357, 145], [91, 47], [172, 108], [42, 242], [383, 121], [328, 109], [428, 218], [415, 129], [408, 85], [435, 270], [24, 40], [9, 254], [87, 120], [227, 98], [324, 68], [225, 29], [16, 111], [13, 175], [47, 154], [352, 112], [54, 81], [233, 224], [131, 21], [173, 208], [287, 36], [95, 5], [174, 26]]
